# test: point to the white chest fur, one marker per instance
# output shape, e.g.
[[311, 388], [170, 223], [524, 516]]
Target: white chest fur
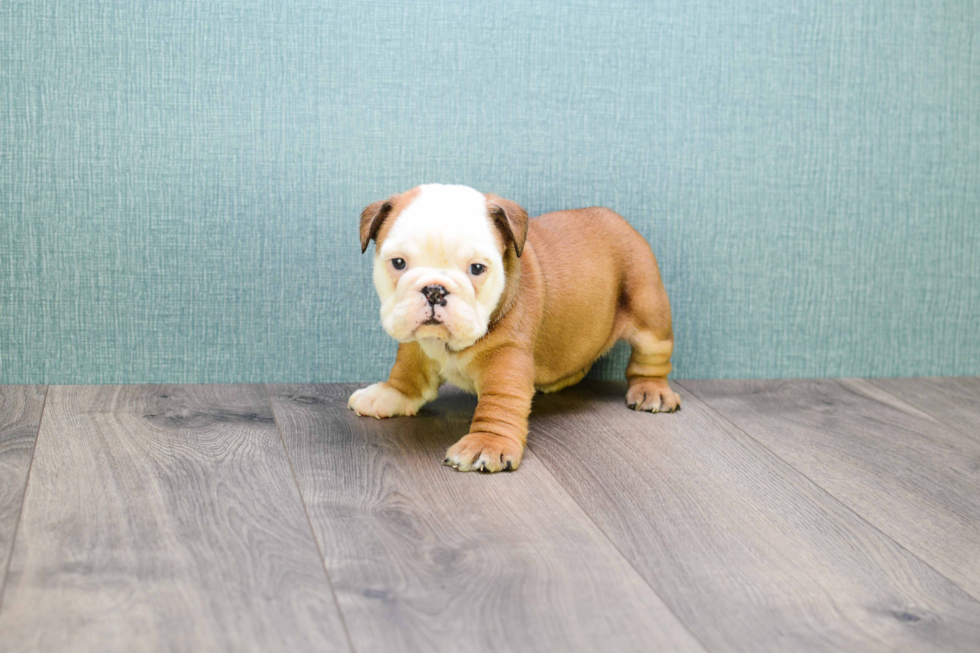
[[452, 365]]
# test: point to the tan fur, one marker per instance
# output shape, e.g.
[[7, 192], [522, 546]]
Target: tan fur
[[585, 279]]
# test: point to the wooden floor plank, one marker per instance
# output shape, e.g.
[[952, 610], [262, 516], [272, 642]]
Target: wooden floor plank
[[749, 554], [424, 558], [902, 470], [954, 401], [20, 416], [164, 518]]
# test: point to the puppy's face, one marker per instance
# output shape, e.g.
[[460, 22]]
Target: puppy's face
[[440, 267]]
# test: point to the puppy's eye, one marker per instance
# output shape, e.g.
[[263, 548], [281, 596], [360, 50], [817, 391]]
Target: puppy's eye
[[398, 263], [477, 269]]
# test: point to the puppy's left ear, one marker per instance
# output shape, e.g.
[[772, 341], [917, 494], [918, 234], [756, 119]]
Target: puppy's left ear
[[371, 220], [510, 218]]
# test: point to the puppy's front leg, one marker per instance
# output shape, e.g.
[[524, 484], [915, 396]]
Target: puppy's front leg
[[413, 382], [499, 428]]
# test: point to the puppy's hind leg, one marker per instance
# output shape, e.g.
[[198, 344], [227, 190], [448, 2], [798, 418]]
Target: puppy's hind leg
[[647, 374], [646, 325]]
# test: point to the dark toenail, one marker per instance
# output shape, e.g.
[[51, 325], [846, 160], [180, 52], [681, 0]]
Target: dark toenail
[[632, 406], [509, 466]]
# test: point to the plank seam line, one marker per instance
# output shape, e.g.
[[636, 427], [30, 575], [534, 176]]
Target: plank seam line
[[619, 551], [23, 500], [316, 541], [828, 493], [939, 420]]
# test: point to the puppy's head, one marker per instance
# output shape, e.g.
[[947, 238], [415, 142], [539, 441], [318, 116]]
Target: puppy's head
[[445, 260]]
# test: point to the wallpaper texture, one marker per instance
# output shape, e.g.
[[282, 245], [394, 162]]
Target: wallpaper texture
[[180, 181]]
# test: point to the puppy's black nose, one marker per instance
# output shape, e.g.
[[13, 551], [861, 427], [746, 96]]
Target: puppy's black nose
[[435, 295]]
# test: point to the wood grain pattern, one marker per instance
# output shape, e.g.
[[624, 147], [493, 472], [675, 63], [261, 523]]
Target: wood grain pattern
[[954, 401], [749, 554], [901, 469], [424, 558], [164, 518], [20, 416]]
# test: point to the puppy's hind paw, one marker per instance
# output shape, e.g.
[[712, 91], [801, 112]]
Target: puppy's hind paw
[[652, 396]]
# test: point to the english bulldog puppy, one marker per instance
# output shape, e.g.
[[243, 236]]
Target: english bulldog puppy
[[478, 295]]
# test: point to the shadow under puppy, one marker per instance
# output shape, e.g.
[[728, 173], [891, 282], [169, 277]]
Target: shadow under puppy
[[482, 297]]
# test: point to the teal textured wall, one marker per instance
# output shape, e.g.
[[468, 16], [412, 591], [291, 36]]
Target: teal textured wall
[[180, 181]]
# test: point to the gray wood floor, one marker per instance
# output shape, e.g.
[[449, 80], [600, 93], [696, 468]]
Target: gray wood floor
[[814, 515]]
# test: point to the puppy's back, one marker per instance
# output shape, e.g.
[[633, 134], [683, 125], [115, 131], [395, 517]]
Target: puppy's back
[[582, 244]]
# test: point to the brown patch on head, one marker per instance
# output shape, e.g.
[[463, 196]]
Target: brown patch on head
[[377, 218], [510, 220]]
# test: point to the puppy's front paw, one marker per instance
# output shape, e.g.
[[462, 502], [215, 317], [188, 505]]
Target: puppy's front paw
[[652, 395], [382, 400], [484, 452]]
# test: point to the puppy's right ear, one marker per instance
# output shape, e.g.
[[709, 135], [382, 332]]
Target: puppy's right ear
[[371, 220], [510, 218]]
